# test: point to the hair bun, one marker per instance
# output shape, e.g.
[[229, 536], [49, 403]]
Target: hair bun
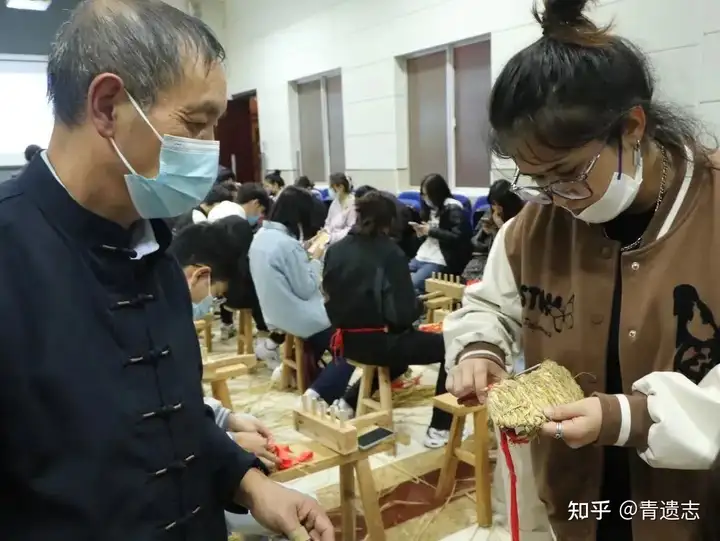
[[565, 21]]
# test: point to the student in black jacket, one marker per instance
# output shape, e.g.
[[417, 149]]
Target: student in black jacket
[[371, 303], [446, 232]]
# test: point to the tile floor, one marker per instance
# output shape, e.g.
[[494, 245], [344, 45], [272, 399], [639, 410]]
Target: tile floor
[[405, 482]]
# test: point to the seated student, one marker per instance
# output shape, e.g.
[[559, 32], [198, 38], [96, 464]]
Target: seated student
[[341, 214], [446, 232], [273, 183], [201, 251], [251, 203], [504, 205], [217, 195], [372, 304], [402, 232], [305, 183], [286, 277]]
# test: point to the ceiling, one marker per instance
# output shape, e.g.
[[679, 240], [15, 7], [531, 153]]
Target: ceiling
[[31, 32]]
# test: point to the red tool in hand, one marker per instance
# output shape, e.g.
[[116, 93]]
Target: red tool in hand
[[287, 458]]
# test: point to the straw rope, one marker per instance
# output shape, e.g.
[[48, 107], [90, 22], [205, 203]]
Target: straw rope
[[517, 403]]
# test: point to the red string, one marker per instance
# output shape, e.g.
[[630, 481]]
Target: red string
[[337, 344], [514, 519]]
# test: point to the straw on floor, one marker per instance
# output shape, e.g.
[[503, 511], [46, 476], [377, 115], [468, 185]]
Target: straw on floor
[[517, 403]]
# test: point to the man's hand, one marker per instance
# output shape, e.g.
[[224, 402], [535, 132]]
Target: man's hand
[[283, 510], [248, 423], [261, 447], [581, 422], [468, 381]]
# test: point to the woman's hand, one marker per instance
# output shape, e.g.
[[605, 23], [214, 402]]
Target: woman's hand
[[421, 230], [581, 422], [254, 443]]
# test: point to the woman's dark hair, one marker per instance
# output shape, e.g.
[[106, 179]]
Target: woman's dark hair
[[304, 183], [576, 84], [275, 178], [436, 189], [376, 214], [252, 191], [501, 194], [30, 152], [341, 179], [362, 190], [224, 174], [294, 208], [217, 194]]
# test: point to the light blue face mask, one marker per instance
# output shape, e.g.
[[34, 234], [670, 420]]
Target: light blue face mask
[[205, 307], [253, 220], [187, 171], [331, 194]]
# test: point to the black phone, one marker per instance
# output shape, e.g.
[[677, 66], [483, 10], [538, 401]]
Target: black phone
[[373, 438]]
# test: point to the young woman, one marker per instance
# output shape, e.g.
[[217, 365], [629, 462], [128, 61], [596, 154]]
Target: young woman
[[287, 280], [341, 214], [613, 275], [274, 183], [445, 231], [372, 305], [504, 205], [305, 183]]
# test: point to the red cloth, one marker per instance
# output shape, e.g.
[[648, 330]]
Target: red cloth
[[287, 459]]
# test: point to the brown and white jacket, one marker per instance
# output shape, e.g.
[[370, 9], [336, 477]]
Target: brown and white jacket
[[547, 293]]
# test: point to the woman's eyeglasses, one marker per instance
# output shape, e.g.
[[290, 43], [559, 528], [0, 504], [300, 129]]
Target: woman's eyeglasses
[[574, 189]]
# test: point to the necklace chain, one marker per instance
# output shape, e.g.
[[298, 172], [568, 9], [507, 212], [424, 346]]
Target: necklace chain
[[661, 195]]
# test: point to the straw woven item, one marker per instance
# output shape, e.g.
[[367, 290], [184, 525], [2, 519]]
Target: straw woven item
[[516, 404]]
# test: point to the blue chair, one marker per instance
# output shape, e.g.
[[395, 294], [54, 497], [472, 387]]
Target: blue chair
[[481, 205], [415, 196], [325, 194], [413, 203], [317, 193]]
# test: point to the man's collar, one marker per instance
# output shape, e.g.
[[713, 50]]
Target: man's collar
[[143, 240]]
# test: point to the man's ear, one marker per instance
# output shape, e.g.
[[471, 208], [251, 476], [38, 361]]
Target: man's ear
[[105, 95]]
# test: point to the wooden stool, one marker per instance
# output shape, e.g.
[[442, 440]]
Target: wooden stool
[[245, 331], [437, 304], [370, 412], [478, 456], [205, 326], [293, 362], [217, 372]]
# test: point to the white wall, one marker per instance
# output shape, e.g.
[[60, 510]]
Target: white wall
[[276, 41]]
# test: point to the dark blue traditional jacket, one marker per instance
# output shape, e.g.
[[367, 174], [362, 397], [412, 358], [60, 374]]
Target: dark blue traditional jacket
[[103, 432]]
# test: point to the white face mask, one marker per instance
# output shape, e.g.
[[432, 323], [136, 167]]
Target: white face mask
[[620, 194]]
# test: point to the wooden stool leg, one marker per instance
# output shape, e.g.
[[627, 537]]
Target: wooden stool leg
[[288, 353], [385, 391], [247, 331], [482, 469], [347, 502], [300, 371], [221, 392], [446, 481], [366, 382], [241, 345], [208, 333], [370, 501]]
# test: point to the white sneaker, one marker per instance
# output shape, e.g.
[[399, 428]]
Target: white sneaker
[[277, 376], [227, 331], [435, 439], [268, 351], [343, 409]]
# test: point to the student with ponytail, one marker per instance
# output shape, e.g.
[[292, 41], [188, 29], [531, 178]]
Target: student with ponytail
[[612, 273]]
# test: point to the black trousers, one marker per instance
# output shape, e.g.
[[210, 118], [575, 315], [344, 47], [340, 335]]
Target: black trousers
[[395, 351]]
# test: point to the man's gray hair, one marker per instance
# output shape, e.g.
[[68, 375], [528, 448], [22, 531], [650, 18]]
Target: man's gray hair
[[147, 43]]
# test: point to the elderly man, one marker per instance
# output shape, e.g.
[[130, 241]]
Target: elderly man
[[97, 313]]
